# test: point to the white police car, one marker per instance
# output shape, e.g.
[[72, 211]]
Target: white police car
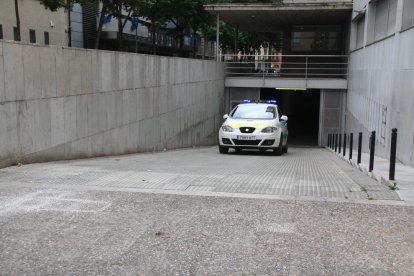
[[254, 126]]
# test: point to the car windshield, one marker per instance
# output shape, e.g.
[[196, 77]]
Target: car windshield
[[254, 111]]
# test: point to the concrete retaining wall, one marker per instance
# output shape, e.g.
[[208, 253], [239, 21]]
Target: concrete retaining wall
[[64, 103], [380, 94]]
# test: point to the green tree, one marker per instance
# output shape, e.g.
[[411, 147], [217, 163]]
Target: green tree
[[181, 16], [156, 12], [199, 21]]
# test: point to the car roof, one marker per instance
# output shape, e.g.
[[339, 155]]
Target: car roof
[[269, 104]]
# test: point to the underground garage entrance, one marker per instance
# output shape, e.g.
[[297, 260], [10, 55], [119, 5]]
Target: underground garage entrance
[[302, 108]]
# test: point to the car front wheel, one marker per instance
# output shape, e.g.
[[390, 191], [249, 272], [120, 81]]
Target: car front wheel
[[223, 150], [285, 149], [279, 150]]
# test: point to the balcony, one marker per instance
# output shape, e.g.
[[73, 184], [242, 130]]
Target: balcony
[[290, 71]]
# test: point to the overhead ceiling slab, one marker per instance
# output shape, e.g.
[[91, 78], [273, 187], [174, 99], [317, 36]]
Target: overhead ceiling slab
[[273, 17]]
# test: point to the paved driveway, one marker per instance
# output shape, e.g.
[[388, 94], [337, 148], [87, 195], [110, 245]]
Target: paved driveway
[[309, 173], [196, 212]]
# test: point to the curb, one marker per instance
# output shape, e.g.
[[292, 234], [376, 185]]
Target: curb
[[380, 179]]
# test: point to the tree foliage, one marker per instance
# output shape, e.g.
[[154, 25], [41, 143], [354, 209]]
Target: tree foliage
[[185, 15]]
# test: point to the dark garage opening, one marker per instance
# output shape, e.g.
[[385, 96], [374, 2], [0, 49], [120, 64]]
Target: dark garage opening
[[302, 109]]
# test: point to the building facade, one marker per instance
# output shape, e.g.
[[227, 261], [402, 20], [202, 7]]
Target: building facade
[[38, 25], [306, 75], [349, 65], [380, 93]]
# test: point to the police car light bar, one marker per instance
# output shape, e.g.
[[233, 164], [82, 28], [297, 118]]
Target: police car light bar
[[253, 101]]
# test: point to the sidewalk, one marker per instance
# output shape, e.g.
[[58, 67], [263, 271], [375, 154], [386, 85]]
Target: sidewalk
[[404, 175]]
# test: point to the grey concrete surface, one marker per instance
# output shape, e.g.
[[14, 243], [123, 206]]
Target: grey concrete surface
[[64, 103], [64, 232], [404, 175], [305, 213], [311, 173]]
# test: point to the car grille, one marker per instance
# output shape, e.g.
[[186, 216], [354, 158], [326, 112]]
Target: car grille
[[247, 129], [246, 142]]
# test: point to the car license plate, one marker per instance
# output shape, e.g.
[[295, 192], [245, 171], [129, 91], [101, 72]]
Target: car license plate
[[245, 137]]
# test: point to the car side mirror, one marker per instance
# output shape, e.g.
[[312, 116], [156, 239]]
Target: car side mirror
[[225, 116], [284, 118]]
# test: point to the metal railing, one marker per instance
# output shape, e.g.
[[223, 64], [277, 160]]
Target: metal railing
[[286, 66]]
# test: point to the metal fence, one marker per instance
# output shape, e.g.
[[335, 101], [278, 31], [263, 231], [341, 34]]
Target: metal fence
[[287, 66]]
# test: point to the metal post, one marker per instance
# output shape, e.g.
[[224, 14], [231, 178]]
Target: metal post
[[371, 151], [351, 144], [393, 153], [359, 147], [344, 152], [218, 37], [136, 39], [329, 140], [336, 142], [236, 40], [332, 142], [340, 143], [306, 71]]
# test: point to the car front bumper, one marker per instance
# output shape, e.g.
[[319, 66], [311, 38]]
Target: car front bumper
[[254, 141]]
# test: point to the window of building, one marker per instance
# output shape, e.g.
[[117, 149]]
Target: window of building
[[1, 31], [316, 39], [408, 14], [16, 34], [383, 18], [360, 31], [32, 35], [47, 38]]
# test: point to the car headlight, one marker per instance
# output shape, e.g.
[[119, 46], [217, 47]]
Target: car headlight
[[269, 130], [227, 128]]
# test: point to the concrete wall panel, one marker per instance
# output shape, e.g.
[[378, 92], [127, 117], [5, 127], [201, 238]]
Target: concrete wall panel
[[86, 68], [62, 72], [13, 71], [380, 94], [32, 76], [2, 91], [75, 73], [59, 103], [48, 71], [70, 119], [9, 147]]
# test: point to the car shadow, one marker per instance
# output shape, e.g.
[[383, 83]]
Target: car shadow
[[253, 152]]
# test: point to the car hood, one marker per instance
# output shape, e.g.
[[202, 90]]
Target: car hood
[[237, 123]]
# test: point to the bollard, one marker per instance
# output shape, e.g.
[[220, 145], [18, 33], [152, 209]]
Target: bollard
[[351, 144], [359, 147], [340, 143], [331, 144], [329, 140], [344, 152], [393, 153], [371, 151], [336, 142]]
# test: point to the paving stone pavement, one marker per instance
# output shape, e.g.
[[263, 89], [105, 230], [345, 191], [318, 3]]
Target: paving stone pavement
[[195, 212], [303, 172]]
